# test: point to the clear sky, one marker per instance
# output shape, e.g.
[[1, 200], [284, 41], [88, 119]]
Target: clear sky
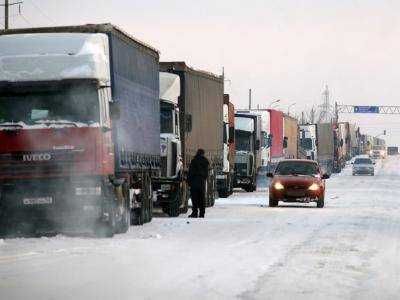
[[283, 49]]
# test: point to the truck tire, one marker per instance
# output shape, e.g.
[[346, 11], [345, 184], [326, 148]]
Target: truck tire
[[106, 229], [184, 195], [273, 202], [124, 223], [223, 193], [173, 209], [321, 202], [250, 188], [143, 214]]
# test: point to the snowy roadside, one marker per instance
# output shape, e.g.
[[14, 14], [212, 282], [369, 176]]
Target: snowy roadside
[[348, 250]]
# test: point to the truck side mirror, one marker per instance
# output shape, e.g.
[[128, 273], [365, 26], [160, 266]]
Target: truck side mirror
[[115, 111], [285, 142], [258, 144], [231, 135], [270, 140], [188, 123]]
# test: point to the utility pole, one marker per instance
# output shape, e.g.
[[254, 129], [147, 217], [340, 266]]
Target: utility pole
[[6, 15], [7, 5], [249, 99]]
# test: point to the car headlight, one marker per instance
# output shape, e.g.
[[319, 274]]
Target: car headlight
[[314, 187], [279, 186], [88, 191]]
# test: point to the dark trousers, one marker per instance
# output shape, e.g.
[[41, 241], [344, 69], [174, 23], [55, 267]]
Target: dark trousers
[[198, 201]]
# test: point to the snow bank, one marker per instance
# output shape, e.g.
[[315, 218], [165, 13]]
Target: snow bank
[[54, 56]]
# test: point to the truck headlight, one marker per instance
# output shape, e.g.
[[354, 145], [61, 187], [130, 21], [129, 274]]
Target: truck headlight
[[165, 187], [279, 186], [88, 191], [314, 187]]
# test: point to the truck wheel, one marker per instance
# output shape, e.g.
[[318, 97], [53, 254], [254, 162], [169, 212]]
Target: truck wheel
[[321, 202], [124, 223], [249, 188], [173, 209], [106, 229], [223, 194], [273, 202], [185, 196]]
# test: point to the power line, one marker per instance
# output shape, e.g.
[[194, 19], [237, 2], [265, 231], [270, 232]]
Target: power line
[[7, 5], [42, 12], [26, 20]]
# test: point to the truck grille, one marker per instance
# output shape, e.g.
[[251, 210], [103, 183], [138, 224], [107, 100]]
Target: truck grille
[[241, 169], [164, 166], [14, 164]]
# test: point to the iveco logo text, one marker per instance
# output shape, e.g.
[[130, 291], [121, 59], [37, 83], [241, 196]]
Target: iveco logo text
[[36, 157]]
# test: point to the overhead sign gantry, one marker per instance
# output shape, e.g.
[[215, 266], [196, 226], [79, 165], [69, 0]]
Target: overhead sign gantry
[[356, 109]]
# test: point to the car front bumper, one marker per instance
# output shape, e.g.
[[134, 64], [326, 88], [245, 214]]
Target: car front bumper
[[303, 196]]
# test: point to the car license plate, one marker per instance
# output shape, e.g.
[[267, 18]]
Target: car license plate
[[38, 201], [296, 193]]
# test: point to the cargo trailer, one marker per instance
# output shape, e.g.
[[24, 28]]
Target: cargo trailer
[[200, 110]]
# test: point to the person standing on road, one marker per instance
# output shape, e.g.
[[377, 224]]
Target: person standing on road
[[198, 173]]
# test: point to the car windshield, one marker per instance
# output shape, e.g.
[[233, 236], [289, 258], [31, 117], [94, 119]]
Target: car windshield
[[66, 105], [363, 161], [296, 168]]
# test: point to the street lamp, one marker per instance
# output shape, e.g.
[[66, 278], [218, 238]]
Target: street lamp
[[273, 102], [290, 106]]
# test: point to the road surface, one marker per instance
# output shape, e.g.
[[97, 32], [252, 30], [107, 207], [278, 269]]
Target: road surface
[[243, 249]]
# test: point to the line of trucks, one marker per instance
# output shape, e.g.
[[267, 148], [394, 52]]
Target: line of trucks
[[96, 133]]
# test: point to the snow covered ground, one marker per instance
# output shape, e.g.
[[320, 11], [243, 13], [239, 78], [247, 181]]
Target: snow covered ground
[[243, 249]]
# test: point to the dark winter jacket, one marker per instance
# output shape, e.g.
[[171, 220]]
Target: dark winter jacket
[[198, 172]]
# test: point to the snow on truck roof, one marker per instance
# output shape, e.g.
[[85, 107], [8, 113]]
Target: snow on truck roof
[[87, 28], [181, 66]]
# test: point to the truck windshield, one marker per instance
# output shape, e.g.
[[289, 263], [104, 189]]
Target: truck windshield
[[243, 140], [166, 120], [306, 143], [296, 168], [72, 105]]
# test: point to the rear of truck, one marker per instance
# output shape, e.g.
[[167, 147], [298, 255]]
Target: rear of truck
[[277, 138], [291, 137], [65, 145], [325, 147], [201, 119]]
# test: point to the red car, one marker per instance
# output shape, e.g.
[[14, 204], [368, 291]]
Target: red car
[[297, 180]]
